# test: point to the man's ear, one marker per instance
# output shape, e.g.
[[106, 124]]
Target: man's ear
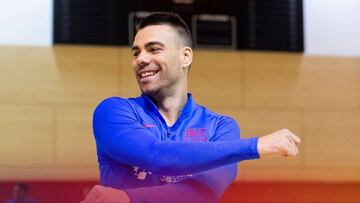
[[187, 57]]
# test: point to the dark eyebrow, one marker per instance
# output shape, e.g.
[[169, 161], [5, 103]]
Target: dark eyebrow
[[147, 45]]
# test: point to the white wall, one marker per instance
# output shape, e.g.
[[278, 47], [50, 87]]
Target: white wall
[[26, 22], [332, 27]]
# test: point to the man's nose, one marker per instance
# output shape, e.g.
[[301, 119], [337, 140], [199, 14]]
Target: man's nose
[[143, 58]]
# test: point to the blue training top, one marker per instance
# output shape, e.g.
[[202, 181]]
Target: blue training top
[[193, 160]]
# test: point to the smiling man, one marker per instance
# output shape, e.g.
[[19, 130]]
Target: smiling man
[[163, 146]]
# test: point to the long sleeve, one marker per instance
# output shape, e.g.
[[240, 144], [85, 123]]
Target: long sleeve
[[207, 186], [120, 135]]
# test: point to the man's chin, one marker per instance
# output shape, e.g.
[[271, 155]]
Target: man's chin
[[150, 91]]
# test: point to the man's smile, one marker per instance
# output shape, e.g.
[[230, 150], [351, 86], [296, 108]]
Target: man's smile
[[147, 75]]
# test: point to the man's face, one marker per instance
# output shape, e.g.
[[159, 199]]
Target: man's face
[[158, 64]]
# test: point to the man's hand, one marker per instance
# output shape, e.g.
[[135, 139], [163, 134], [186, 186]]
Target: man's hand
[[101, 194], [282, 142]]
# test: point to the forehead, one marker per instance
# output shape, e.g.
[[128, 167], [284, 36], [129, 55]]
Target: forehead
[[160, 33]]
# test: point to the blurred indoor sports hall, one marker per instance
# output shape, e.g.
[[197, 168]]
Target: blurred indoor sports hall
[[268, 64]]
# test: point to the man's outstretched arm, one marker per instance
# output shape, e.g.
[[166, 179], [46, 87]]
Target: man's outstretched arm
[[207, 186], [119, 134]]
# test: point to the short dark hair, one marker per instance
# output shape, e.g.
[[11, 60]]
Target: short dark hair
[[166, 18]]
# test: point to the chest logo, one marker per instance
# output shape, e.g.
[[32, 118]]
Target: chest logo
[[195, 135]]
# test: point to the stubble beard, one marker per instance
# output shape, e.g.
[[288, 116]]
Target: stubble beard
[[161, 90]]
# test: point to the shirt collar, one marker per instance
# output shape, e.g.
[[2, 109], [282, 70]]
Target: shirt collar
[[186, 111]]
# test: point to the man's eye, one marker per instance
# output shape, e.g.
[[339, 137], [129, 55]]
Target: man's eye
[[155, 49], [135, 54]]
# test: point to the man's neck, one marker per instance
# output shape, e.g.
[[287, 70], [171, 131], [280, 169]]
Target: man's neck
[[170, 106]]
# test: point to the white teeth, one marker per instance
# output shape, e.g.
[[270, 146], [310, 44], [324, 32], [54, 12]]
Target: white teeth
[[145, 74]]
